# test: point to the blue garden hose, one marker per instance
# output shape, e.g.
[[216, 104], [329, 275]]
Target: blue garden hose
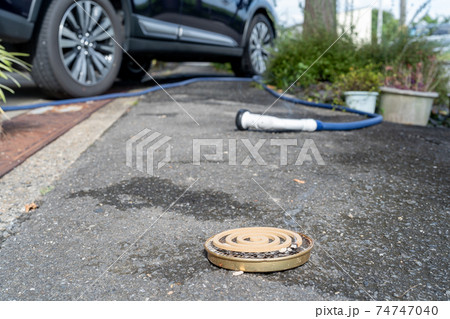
[[372, 119], [124, 95]]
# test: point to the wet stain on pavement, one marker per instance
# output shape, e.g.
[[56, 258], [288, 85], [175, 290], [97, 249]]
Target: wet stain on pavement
[[146, 192]]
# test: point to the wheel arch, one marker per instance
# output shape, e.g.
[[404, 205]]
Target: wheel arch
[[259, 10], [126, 8]]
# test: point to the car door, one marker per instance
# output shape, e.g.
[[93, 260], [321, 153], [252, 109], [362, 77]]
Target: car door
[[212, 21], [158, 18]]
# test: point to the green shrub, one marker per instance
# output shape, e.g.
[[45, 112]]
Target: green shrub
[[295, 53], [403, 48], [367, 78]]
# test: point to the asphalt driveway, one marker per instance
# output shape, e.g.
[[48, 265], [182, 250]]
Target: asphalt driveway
[[378, 209]]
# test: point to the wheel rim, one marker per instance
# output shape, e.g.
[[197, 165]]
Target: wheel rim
[[260, 41], [86, 50]]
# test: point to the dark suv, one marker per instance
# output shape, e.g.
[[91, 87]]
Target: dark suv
[[76, 46]]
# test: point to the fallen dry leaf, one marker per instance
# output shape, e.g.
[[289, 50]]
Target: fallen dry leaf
[[170, 292], [30, 207], [299, 181]]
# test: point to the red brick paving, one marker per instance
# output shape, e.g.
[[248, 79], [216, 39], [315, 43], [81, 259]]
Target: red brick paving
[[26, 134]]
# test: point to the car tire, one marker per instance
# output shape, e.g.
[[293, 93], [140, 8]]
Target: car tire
[[73, 55], [256, 51], [130, 71]]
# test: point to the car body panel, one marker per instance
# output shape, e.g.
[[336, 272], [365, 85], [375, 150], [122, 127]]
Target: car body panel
[[189, 34], [21, 8], [217, 16], [158, 29], [163, 10], [14, 28], [212, 22], [182, 51]]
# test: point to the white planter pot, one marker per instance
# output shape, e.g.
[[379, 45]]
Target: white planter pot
[[361, 101], [406, 106]]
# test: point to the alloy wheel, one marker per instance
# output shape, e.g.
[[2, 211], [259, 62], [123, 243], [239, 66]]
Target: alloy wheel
[[85, 42], [260, 42]]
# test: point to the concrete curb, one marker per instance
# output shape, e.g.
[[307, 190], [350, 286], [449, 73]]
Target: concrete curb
[[28, 182]]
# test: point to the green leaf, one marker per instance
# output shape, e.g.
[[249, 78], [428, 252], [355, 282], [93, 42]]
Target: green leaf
[[7, 62], [5, 67], [4, 87], [2, 96]]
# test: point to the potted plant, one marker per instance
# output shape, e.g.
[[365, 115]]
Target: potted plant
[[407, 95], [7, 62], [360, 86]]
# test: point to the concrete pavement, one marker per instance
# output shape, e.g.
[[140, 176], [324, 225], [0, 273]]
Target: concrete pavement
[[378, 210]]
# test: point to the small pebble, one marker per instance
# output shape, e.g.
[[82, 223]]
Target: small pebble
[[294, 246], [282, 250], [238, 273]]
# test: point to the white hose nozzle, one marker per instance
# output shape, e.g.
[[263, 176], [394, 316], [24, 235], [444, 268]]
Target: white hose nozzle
[[246, 120]]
